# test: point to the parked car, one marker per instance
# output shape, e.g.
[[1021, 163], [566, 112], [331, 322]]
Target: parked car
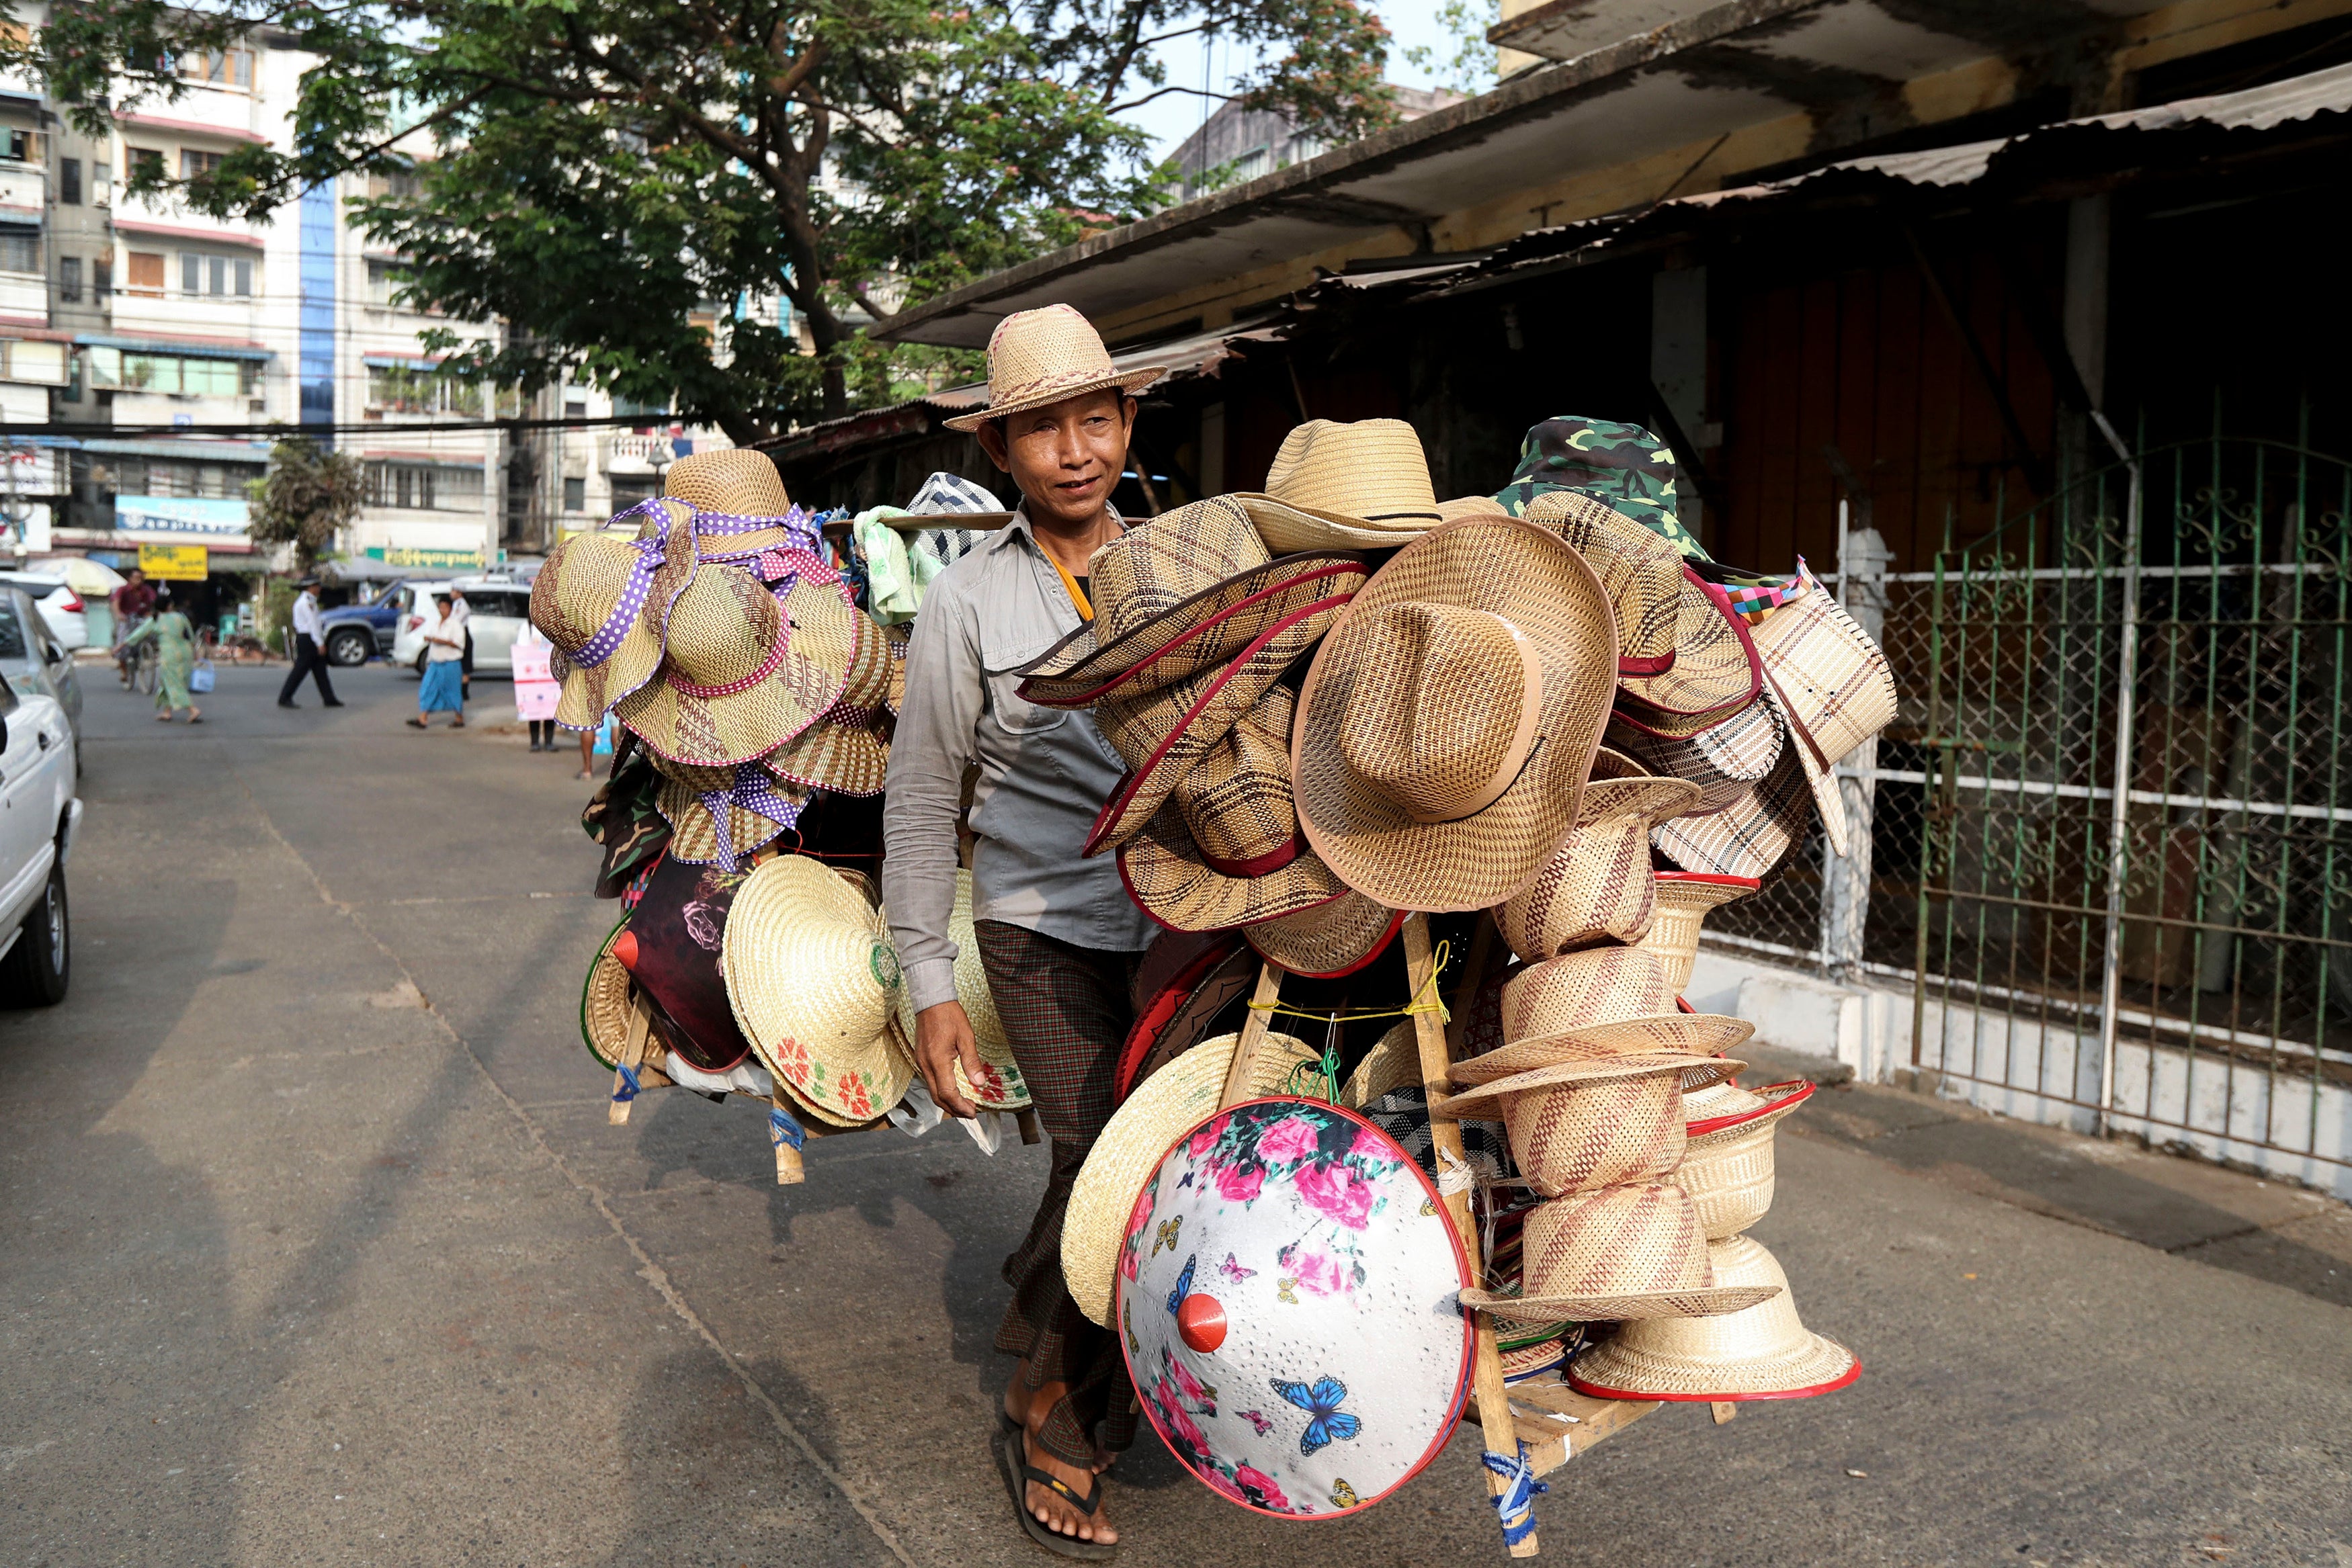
[[61, 607], [497, 608], [32, 657], [40, 814], [354, 633]]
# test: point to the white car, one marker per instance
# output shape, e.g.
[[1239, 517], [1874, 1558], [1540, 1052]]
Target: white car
[[496, 608], [60, 606], [39, 816]]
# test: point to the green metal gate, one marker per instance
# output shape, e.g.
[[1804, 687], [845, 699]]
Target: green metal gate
[[2132, 876]]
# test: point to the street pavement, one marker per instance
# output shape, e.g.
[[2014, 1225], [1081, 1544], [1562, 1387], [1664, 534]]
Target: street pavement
[[318, 1249]]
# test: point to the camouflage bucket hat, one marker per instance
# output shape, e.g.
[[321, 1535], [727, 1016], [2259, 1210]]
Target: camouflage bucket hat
[[1622, 464]]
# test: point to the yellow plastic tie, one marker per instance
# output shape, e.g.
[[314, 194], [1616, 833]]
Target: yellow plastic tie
[[1426, 1000]]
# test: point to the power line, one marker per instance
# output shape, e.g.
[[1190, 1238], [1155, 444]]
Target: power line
[[372, 427]]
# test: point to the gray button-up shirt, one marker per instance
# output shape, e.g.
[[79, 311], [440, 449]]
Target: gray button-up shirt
[[1045, 772]]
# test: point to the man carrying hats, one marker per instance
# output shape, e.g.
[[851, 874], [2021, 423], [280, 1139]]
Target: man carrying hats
[[1058, 935]]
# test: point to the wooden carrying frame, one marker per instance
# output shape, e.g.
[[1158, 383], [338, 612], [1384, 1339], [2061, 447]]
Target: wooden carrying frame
[[1540, 1426]]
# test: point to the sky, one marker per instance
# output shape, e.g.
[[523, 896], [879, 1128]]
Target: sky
[[1174, 117]]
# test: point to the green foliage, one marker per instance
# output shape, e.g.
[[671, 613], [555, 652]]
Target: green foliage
[[601, 173], [306, 496], [1470, 68]]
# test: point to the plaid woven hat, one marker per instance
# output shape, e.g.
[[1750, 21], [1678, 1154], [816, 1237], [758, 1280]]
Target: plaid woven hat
[[1449, 720], [945, 497], [1040, 357], [1363, 486], [602, 600], [1327, 941], [1187, 591], [1641, 572], [1748, 837], [1622, 464], [1832, 689], [1715, 673], [1226, 849], [746, 669], [1725, 761]]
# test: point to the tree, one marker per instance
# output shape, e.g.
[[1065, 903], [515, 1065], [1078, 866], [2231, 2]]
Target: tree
[[306, 498], [1470, 68], [597, 172]]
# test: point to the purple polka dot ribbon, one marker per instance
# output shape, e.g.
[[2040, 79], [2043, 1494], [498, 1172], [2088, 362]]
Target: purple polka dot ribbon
[[635, 591], [753, 792]]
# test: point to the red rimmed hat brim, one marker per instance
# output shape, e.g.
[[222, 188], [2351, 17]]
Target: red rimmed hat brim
[[1795, 1092], [1183, 1013], [1683, 693]]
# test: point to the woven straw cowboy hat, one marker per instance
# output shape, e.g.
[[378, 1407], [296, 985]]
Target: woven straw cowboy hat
[[1363, 486], [745, 670], [1185, 593], [1748, 837], [1716, 671], [813, 980], [1201, 997], [719, 816], [1448, 722], [1590, 1005], [1621, 1253], [846, 749], [1684, 899], [1001, 1085], [1724, 760], [604, 1004], [602, 598], [1161, 1109], [1832, 689], [1040, 357], [1599, 886], [1226, 849], [1328, 941], [740, 504], [1763, 1352], [1727, 1165]]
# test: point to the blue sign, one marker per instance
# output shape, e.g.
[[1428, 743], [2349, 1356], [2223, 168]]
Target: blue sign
[[211, 519]]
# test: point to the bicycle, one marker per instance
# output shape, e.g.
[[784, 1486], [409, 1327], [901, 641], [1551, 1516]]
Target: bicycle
[[143, 661]]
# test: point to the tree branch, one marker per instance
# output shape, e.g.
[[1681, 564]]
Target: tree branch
[[1163, 92]]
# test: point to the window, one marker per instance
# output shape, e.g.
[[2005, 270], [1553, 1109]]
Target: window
[[70, 181], [575, 494], [146, 161], [187, 481], [382, 278], [12, 629], [69, 279], [20, 252], [102, 185], [15, 144], [416, 486], [102, 277], [575, 408], [230, 67], [172, 373], [244, 279], [397, 388], [214, 275], [192, 273], [193, 162]]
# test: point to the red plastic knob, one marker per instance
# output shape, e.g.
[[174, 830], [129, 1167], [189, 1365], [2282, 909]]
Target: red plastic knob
[[625, 948], [1200, 1323]]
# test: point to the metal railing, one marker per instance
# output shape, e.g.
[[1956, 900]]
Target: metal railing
[[2110, 841]]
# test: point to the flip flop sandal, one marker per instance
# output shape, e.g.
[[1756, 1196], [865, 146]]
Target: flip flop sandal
[[417, 724], [1018, 1473]]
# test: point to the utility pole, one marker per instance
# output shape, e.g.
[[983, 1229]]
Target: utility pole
[[489, 478]]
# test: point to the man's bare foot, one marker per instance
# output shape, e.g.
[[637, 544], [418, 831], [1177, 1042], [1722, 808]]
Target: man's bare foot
[[1050, 1508]]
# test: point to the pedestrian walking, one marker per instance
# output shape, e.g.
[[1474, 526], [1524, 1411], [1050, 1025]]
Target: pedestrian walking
[[442, 689], [175, 639], [466, 661], [133, 603], [1058, 935], [308, 660], [535, 686]]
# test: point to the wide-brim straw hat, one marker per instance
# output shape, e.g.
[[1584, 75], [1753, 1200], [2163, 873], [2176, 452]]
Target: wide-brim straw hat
[[1449, 720], [1587, 1006], [1226, 849], [740, 505], [604, 1004], [603, 599], [1037, 358], [1834, 688], [1598, 887], [1724, 760], [1764, 1352], [1160, 1110], [1748, 837], [1328, 941], [814, 982], [1715, 670], [719, 816], [1573, 1065], [1728, 1162], [1684, 900], [1161, 734], [1583, 1134], [1361, 485], [1522, 1363], [1393, 1063], [1641, 572], [745, 670], [1000, 1086], [846, 749], [1204, 998], [1622, 1252], [1184, 593]]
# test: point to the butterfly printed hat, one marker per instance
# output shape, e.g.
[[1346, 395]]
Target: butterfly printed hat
[[1287, 1304]]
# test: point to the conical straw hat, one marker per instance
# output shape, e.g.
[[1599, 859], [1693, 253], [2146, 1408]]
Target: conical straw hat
[[1363, 486], [1684, 899], [1448, 722], [745, 671], [1764, 1352], [1040, 357], [602, 599], [1132, 1143], [1631, 1251], [813, 980], [1834, 689]]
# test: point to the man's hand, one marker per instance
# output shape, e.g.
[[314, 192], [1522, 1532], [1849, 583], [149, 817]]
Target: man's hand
[[942, 1036]]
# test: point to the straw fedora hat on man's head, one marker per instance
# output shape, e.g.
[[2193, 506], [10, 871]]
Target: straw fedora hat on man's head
[[1834, 689], [1363, 486], [1449, 720], [746, 670], [1040, 357], [602, 598], [1187, 591]]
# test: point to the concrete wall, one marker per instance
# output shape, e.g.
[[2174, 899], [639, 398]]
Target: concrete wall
[[2209, 1105]]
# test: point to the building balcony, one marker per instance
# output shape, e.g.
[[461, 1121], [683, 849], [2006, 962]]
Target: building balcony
[[24, 191], [24, 294], [627, 453]]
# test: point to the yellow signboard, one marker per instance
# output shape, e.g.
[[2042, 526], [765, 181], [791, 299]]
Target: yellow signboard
[[175, 563]]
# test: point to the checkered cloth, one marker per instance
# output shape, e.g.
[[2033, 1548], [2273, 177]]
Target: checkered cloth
[[1404, 1114], [1066, 1011], [1753, 599]]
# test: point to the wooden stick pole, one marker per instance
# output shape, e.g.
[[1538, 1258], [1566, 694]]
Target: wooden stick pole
[[633, 1055], [1500, 1435], [788, 1172], [1241, 1074]]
